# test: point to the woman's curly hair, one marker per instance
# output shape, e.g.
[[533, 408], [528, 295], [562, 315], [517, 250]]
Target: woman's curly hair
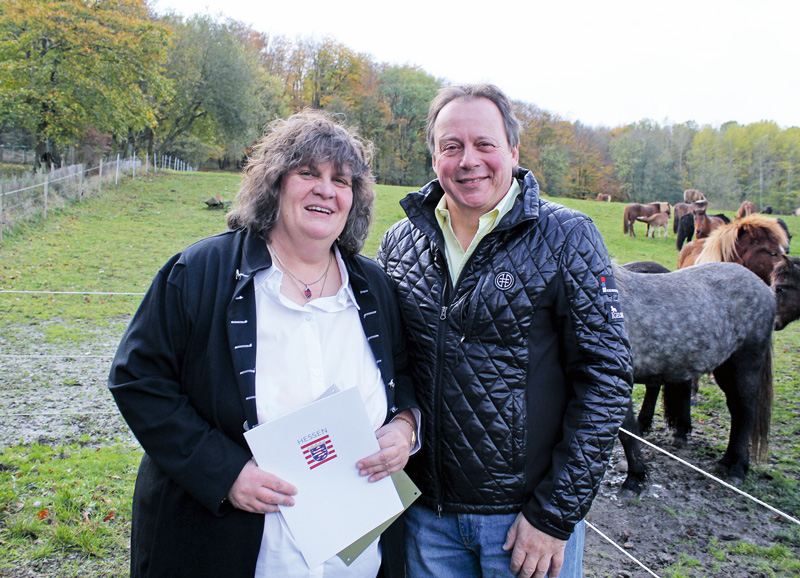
[[306, 139]]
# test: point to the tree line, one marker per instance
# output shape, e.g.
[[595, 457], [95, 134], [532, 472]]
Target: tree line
[[108, 76]]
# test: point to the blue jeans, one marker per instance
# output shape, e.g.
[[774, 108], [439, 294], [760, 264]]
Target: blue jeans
[[470, 545]]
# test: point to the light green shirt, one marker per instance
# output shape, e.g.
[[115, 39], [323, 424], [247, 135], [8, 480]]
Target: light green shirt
[[456, 256]]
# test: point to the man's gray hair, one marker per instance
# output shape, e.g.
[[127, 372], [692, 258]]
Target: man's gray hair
[[448, 94], [306, 139]]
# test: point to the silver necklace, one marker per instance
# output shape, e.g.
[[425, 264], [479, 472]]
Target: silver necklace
[[300, 283]]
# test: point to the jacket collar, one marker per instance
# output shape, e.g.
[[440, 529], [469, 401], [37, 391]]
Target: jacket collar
[[420, 205]]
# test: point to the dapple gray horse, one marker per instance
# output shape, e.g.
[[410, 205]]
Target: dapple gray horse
[[736, 311]]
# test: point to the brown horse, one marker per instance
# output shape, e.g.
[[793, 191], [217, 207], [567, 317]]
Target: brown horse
[[746, 208], [692, 195], [656, 223], [602, 197], [636, 210], [704, 224], [786, 286], [757, 242], [679, 210]]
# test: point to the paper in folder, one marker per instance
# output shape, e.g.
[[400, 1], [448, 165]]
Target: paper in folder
[[316, 449]]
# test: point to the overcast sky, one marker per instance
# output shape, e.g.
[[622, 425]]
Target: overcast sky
[[600, 63]]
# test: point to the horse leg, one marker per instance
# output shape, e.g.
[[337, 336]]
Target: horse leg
[[678, 410], [634, 482], [648, 408], [740, 385]]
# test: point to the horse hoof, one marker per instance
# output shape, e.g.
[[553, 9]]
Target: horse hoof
[[628, 495], [733, 474], [630, 488], [679, 442]]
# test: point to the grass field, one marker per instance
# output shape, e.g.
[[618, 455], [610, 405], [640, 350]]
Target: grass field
[[74, 501]]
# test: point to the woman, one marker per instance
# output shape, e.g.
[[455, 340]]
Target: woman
[[246, 326]]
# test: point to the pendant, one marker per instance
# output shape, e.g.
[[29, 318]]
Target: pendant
[[307, 292]]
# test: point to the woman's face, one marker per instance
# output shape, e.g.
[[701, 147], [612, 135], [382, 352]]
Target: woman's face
[[315, 203]]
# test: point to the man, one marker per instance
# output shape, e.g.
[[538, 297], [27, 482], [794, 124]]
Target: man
[[518, 351]]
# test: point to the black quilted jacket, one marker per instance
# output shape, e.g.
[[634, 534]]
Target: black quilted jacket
[[522, 370]]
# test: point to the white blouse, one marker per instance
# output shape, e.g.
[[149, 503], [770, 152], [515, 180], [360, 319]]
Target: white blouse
[[301, 351]]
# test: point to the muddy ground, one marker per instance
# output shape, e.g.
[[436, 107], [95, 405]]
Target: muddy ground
[[683, 524]]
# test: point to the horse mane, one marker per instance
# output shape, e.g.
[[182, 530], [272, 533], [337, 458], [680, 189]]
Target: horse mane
[[721, 244]]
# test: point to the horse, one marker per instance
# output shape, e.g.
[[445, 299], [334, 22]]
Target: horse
[[635, 210], [745, 209], [704, 224], [741, 310], [685, 229], [756, 241], [786, 287], [692, 195], [657, 222], [679, 210], [602, 197]]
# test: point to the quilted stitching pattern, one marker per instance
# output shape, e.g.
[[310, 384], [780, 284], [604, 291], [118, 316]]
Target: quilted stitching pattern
[[473, 368]]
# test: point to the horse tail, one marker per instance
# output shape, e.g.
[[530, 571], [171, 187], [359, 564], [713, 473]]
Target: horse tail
[[759, 438], [625, 221]]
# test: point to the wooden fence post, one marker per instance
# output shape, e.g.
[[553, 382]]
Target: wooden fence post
[[116, 177], [46, 183], [100, 185]]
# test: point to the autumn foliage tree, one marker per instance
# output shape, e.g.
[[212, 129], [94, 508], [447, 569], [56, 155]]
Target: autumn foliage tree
[[68, 65]]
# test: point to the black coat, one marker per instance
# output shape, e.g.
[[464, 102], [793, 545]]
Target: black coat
[[522, 369], [183, 378]]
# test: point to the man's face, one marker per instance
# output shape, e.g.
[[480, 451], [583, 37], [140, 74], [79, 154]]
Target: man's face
[[472, 159]]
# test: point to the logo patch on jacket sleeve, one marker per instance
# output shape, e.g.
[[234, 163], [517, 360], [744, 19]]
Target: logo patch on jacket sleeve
[[614, 312], [608, 286]]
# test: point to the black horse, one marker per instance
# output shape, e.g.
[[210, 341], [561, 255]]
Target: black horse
[[736, 311]]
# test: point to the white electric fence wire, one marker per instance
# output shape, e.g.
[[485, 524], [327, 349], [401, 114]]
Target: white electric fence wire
[[68, 292], [62, 356], [618, 547], [716, 479]]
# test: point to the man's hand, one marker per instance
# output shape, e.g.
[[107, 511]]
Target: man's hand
[[534, 552], [260, 492], [395, 441]]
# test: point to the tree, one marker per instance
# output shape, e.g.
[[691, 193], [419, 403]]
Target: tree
[[644, 168], [785, 196], [403, 156], [68, 65], [222, 95]]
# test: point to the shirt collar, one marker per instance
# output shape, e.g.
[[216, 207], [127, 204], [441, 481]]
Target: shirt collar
[[270, 280], [496, 214]]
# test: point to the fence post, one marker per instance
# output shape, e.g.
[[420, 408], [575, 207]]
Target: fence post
[[46, 183], [100, 185], [116, 177], [80, 184], [134, 164]]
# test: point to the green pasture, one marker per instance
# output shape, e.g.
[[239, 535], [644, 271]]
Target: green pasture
[[115, 243]]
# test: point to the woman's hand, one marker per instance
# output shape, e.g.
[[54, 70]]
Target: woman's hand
[[260, 492], [395, 441]]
